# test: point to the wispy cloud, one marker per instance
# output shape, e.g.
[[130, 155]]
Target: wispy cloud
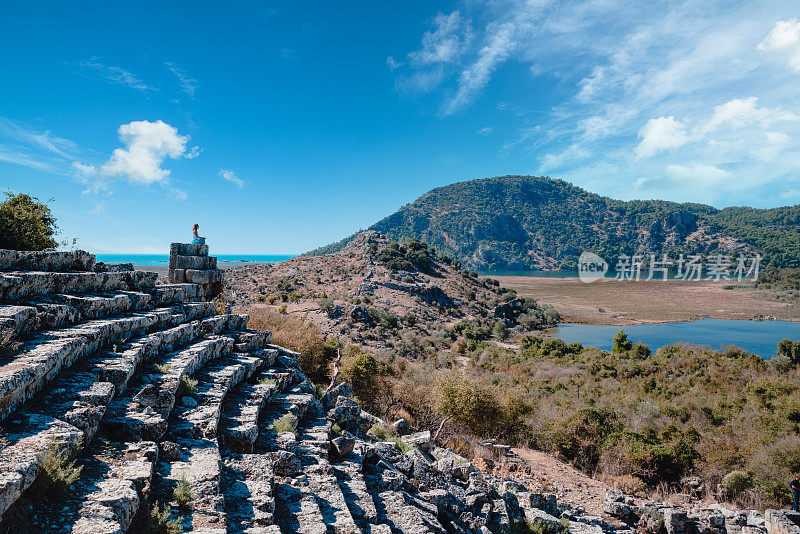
[[93, 68], [647, 93], [188, 84], [231, 177], [23, 144]]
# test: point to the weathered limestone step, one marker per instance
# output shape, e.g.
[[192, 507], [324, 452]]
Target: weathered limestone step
[[198, 415], [60, 310], [48, 353], [242, 409], [354, 487], [144, 410], [402, 512], [247, 486], [312, 444], [198, 464], [322, 484], [177, 293], [18, 260], [297, 511], [188, 249], [118, 367], [294, 404], [113, 484], [249, 340], [27, 437], [26, 284]]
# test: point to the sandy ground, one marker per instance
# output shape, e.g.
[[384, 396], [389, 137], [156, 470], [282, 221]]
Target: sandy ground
[[625, 303]]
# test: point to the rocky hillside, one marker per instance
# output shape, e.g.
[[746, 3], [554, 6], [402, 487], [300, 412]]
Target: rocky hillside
[[527, 222], [373, 288]]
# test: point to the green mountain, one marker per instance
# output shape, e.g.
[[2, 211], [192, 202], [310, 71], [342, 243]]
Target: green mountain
[[529, 222]]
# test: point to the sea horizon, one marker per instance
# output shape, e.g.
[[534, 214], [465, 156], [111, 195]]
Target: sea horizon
[[158, 259]]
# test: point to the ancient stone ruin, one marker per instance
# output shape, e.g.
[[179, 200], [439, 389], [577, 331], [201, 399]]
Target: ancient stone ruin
[[189, 263], [160, 399]]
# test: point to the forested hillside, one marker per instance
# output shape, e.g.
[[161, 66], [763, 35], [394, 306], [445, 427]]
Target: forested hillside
[[527, 222]]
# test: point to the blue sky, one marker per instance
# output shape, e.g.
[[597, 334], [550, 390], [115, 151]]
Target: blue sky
[[283, 126]]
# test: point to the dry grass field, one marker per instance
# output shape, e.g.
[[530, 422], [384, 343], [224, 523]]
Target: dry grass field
[[625, 303]]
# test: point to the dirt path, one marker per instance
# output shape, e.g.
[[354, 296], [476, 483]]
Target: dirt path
[[570, 485]]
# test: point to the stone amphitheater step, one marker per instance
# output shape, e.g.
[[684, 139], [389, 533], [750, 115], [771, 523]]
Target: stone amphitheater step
[[407, 514], [16, 260], [56, 311], [193, 429], [247, 485], [297, 512], [26, 284], [114, 481], [323, 486], [77, 398], [358, 497], [46, 354], [26, 436], [144, 409], [242, 409], [200, 415]]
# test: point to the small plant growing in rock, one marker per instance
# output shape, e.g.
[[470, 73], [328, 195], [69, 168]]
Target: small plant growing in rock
[[58, 471], [158, 521], [319, 391], [282, 310], [187, 386], [267, 381], [336, 429], [287, 423], [160, 368], [183, 493]]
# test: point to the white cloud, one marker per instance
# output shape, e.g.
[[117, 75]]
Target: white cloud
[[22, 144], [739, 113], [773, 144], [486, 130], [188, 85], [146, 146], [95, 69], [783, 43], [658, 135], [231, 177], [444, 43], [392, 63]]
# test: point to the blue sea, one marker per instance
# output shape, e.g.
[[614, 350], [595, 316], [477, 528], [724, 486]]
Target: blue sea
[[163, 259], [758, 337]]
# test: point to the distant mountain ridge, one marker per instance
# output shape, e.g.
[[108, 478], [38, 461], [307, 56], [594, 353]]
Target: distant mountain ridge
[[540, 223]]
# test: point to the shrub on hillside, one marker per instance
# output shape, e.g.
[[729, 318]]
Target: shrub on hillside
[[316, 352], [364, 374], [471, 403], [26, 223], [736, 482]]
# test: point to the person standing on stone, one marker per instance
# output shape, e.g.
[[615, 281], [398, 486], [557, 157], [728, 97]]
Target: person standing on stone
[[795, 485], [197, 240]]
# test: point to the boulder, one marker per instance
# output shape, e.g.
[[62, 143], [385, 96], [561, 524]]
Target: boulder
[[285, 463], [342, 445], [419, 439]]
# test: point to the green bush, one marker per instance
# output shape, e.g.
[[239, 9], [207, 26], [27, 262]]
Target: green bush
[[287, 423], [326, 306], [365, 375], [26, 223], [621, 343], [736, 482], [158, 521], [186, 386], [183, 494], [57, 469]]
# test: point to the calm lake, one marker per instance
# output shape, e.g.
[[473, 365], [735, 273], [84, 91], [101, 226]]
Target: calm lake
[[758, 337]]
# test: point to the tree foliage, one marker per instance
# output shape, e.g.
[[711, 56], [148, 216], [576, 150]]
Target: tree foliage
[[26, 223]]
